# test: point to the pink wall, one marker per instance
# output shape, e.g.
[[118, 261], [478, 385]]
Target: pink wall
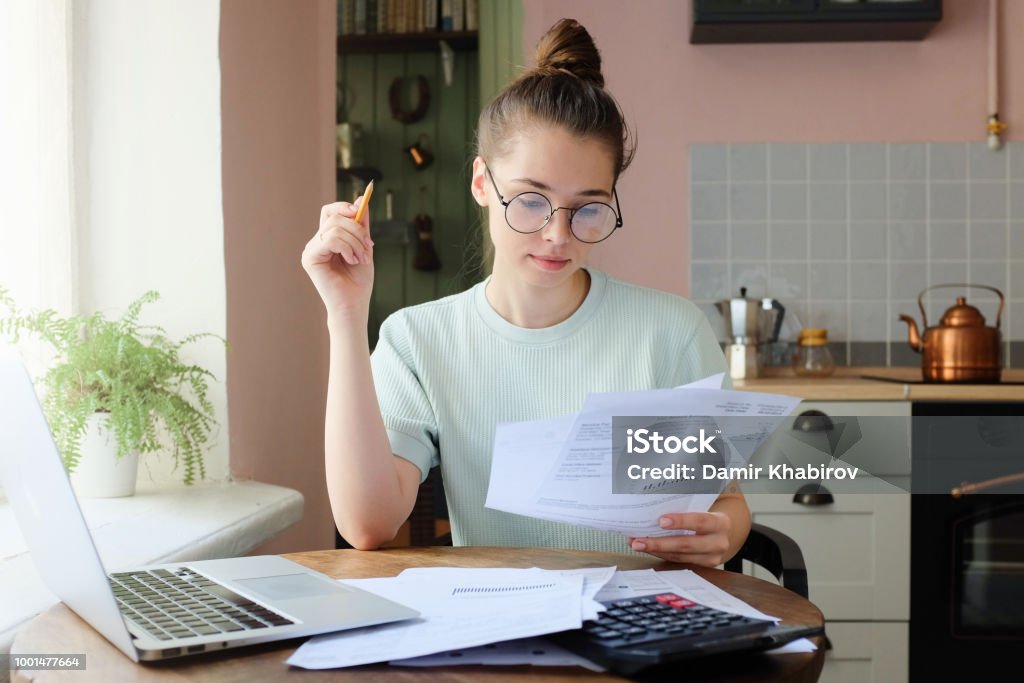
[[676, 94], [277, 74]]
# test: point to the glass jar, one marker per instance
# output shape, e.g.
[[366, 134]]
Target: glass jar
[[812, 357]]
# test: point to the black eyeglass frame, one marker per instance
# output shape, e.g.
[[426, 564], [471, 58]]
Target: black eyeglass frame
[[617, 210]]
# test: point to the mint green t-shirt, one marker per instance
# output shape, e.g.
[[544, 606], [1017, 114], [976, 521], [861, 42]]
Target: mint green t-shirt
[[448, 371]]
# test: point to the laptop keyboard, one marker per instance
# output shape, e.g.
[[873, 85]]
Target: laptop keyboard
[[662, 617], [181, 603]]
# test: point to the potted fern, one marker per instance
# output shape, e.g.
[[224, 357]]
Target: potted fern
[[118, 383]]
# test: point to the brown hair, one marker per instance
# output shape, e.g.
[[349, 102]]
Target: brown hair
[[565, 89]]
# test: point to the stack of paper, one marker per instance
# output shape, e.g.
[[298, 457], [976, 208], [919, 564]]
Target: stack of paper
[[461, 608], [623, 585], [575, 452], [492, 616]]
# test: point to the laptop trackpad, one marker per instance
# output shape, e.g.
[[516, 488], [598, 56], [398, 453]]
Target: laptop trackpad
[[289, 586]]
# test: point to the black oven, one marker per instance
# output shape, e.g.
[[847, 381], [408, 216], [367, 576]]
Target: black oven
[[967, 550]]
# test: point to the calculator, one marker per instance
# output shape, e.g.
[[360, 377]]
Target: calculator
[[647, 631]]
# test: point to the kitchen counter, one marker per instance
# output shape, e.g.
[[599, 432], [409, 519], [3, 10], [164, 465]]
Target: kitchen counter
[[849, 384]]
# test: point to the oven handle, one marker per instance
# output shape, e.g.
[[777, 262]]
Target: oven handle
[[965, 487]]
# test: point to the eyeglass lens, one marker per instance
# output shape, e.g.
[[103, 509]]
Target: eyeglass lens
[[531, 211]]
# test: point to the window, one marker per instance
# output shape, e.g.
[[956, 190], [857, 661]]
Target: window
[[37, 245]]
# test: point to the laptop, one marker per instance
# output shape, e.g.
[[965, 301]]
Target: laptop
[[166, 610], [647, 633]]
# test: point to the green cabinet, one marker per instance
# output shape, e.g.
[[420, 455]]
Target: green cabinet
[[370, 84]]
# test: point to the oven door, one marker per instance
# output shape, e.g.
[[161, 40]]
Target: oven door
[[967, 553], [988, 573]]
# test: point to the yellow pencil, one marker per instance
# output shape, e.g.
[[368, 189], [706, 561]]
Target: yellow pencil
[[366, 200]]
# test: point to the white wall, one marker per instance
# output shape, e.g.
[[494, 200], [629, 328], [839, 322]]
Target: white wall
[[146, 111]]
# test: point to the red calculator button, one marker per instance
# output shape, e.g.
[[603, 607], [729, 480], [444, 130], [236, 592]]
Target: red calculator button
[[666, 598], [681, 603]]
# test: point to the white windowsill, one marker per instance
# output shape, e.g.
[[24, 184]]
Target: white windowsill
[[157, 524]]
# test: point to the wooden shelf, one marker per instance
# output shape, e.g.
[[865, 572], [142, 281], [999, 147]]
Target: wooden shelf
[[354, 44]]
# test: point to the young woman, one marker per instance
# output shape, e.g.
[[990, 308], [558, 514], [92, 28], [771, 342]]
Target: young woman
[[529, 342]]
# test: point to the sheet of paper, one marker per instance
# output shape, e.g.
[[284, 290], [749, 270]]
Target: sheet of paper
[[796, 646], [633, 583], [594, 579], [692, 585], [540, 652], [709, 382], [535, 651], [521, 450], [524, 448], [746, 419], [623, 585], [575, 453], [458, 612]]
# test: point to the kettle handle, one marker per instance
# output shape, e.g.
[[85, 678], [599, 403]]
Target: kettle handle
[[924, 316]]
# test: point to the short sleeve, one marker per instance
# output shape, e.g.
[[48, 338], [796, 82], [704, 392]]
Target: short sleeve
[[404, 405], [703, 355]]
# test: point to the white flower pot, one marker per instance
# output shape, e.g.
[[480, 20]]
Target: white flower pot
[[100, 473]]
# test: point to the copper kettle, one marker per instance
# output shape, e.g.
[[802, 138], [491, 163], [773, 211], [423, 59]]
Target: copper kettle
[[961, 348]]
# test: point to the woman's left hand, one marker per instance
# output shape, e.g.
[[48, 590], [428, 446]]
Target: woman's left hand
[[706, 547]]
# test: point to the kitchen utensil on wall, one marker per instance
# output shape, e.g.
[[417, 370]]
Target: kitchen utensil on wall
[[389, 231], [419, 109], [748, 324], [420, 152], [348, 134], [426, 256], [447, 62], [961, 348], [350, 144]]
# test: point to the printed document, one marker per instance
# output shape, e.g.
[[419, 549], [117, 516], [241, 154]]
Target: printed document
[[459, 609], [622, 585], [594, 579], [575, 454]]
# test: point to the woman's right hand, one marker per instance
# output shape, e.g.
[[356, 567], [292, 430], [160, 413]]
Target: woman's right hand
[[339, 259]]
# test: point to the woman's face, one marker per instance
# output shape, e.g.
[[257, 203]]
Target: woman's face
[[570, 172]]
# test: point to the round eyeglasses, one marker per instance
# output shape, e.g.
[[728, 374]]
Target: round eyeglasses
[[529, 212]]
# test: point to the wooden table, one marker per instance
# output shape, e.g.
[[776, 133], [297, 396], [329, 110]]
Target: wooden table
[[59, 630]]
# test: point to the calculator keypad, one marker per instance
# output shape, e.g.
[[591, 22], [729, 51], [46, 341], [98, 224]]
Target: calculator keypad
[[662, 616]]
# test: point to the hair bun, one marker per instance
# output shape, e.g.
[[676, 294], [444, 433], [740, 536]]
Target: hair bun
[[568, 48]]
